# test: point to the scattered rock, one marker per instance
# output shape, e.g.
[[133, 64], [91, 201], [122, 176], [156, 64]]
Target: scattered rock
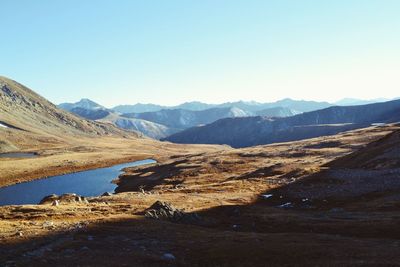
[[266, 196], [48, 224], [165, 211], [286, 205]]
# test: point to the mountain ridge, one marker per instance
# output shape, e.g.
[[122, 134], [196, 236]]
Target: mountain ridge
[[242, 132], [29, 118]]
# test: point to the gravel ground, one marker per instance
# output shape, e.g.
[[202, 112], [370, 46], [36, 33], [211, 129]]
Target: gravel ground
[[344, 183]]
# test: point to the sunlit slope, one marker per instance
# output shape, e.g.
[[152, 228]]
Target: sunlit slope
[[26, 117]]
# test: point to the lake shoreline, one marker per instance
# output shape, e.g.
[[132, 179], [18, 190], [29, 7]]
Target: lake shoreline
[[89, 183], [68, 169]]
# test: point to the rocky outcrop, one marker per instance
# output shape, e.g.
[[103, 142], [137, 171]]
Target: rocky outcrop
[[165, 211]]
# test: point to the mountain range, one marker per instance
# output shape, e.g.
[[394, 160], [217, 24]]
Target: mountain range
[[243, 132], [248, 106], [160, 122], [285, 204], [356, 102]]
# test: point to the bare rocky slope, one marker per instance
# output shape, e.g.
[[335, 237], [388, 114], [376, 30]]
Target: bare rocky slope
[[148, 128], [29, 118], [90, 110], [183, 119], [366, 179]]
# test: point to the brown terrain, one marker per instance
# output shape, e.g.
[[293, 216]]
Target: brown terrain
[[64, 142], [327, 201], [224, 215]]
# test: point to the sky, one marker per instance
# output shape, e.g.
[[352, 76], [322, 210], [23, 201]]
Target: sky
[[172, 51]]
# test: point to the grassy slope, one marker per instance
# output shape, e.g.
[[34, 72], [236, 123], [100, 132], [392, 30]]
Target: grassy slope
[[237, 227], [65, 143]]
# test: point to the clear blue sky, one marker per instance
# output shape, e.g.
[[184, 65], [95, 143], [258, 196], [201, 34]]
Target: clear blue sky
[[167, 52]]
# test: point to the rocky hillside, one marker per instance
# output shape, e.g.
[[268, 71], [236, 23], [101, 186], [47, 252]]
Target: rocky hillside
[[96, 113], [90, 114], [379, 155], [148, 128], [183, 119], [242, 132], [30, 117], [277, 112], [366, 179]]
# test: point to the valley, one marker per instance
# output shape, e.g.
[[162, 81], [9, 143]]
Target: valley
[[200, 133], [233, 205], [335, 195]]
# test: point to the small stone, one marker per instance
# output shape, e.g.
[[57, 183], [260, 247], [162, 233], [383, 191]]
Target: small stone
[[55, 203], [106, 194], [266, 196], [286, 205], [168, 257], [48, 224]]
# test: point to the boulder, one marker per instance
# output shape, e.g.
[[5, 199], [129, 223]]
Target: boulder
[[49, 199]]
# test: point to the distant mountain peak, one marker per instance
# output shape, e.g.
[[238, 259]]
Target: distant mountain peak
[[85, 103]]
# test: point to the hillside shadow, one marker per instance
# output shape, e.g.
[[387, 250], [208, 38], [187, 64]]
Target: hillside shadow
[[146, 178], [264, 231], [228, 235], [296, 224]]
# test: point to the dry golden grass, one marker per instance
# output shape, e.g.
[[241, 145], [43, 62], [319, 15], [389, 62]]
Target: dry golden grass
[[87, 153], [223, 186]]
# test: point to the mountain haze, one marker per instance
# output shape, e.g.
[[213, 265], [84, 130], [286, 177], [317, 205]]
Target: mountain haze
[[253, 107], [183, 119], [90, 110], [242, 132], [83, 103]]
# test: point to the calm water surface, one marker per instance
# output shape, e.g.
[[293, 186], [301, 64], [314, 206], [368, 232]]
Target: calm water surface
[[85, 183]]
